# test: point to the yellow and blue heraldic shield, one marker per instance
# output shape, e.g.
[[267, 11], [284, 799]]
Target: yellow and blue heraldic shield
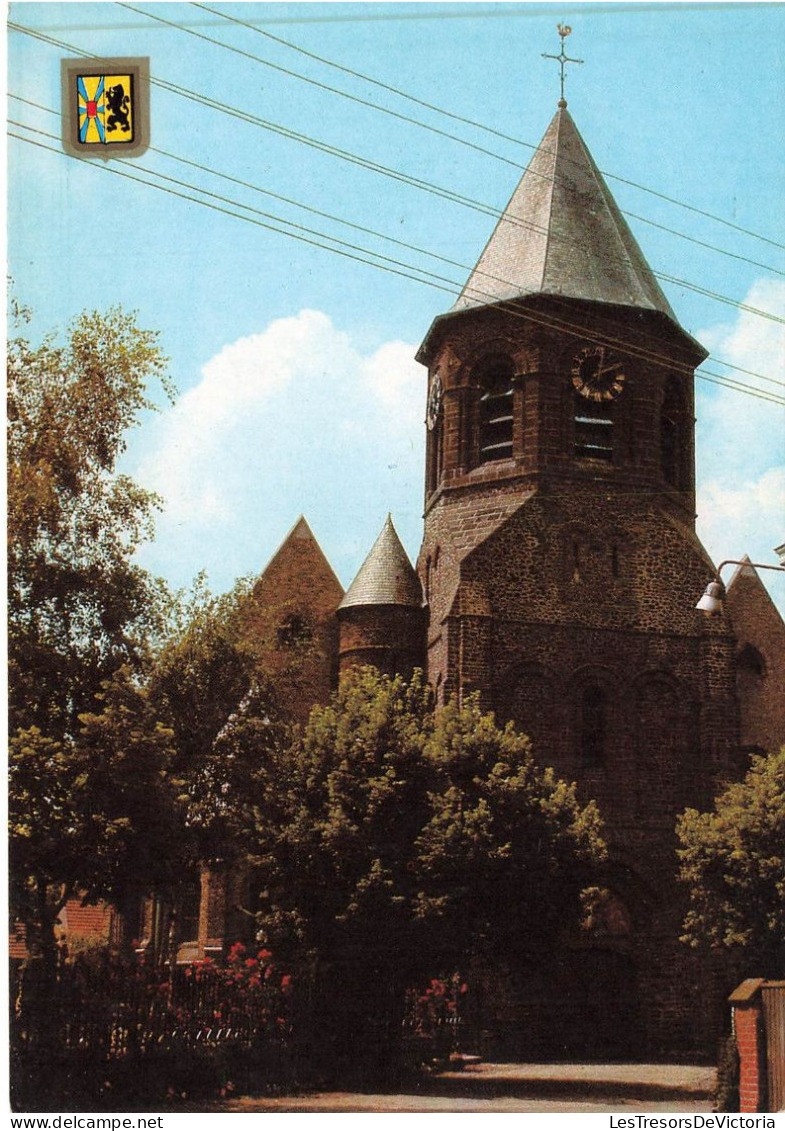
[[106, 107]]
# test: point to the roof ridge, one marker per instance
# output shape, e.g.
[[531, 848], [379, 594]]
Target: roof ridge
[[551, 193]]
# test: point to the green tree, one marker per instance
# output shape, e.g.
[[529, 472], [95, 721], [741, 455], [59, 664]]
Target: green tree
[[733, 867], [79, 607], [87, 757], [405, 840], [508, 850], [95, 817], [211, 688]]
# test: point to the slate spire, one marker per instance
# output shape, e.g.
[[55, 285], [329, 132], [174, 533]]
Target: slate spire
[[562, 234], [386, 577]]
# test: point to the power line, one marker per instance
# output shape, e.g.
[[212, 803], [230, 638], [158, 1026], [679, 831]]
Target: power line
[[477, 125], [749, 372], [340, 220], [392, 266], [416, 182], [412, 271], [414, 121], [440, 13]]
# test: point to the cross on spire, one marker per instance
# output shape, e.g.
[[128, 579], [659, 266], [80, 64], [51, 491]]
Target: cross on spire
[[562, 58]]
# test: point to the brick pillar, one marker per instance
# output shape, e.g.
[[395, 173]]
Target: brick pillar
[[748, 1029], [212, 913]]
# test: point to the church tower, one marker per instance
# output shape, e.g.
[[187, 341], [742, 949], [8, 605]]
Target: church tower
[[561, 568]]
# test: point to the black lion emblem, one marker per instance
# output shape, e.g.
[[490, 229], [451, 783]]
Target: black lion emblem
[[118, 102]]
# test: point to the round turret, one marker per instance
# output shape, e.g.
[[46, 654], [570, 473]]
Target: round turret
[[382, 618]]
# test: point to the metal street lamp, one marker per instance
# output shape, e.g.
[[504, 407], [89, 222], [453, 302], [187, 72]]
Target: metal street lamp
[[711, 601]]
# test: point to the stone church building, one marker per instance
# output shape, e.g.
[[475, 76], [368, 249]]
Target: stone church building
[[558, 578]]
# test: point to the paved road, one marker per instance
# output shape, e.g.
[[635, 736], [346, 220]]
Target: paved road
[[521, 1088], [325, 1102]]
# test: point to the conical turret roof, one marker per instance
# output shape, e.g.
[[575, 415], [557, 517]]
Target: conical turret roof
[[386, 577], [562, 234]]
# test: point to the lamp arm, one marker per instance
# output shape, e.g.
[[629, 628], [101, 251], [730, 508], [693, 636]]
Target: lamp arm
[[755, 565]]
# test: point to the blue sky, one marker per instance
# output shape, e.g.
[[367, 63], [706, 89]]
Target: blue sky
[[298, 389]]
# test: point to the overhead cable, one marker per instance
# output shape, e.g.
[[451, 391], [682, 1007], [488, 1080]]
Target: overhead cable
[[385, 263], [477, 125], [415, 182]]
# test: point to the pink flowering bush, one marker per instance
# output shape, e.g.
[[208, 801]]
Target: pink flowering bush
[[433, 1017], [205, 1030]]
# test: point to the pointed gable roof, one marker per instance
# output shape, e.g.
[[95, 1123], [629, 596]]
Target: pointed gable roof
[[299, 568], [562, 234], [748, 601], [386, 577]]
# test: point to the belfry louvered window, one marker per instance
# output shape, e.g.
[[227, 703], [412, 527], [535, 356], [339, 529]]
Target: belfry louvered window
[[496, 408], [593, 429]]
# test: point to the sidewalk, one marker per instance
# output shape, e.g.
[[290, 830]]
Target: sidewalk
[[521, 1088]]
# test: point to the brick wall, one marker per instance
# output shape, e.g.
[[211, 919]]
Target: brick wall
[[759, 667], [289, 621], [388, 637], [746, 1004]]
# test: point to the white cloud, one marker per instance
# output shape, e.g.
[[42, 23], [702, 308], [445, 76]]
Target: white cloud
[[741, 439], [292, 419], [752, 512], [740, 435], [751, 336], [296, 419]]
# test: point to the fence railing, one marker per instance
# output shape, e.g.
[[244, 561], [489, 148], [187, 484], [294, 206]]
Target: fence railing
[[98, 1032], [116, 1009]]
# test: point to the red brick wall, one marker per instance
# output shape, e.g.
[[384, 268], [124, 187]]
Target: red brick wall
[[298, 582], [748, 1029], [758, 625], [388, 637]]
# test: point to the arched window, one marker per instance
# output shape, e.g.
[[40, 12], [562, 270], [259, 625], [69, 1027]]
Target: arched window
[[294, 632], [671, 435], [593, 725], [615, 561], [495, 378], [750, 662]]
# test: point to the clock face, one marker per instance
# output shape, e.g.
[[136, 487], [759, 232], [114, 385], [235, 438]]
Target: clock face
[[598, 374], [434, 402]]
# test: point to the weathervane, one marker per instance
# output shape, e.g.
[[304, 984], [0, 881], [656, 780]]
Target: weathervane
[[561, 58]]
